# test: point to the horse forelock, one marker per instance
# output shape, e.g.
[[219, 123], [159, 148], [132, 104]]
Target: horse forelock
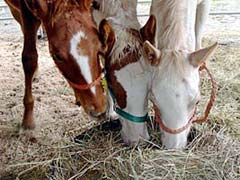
[[172, 65], [57, 7], [127, 45]]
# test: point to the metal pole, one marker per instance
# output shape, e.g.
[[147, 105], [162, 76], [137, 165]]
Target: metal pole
[[211, 13]]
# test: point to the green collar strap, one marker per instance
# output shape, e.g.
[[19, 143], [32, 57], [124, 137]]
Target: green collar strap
[[126, 115], [130, 117]]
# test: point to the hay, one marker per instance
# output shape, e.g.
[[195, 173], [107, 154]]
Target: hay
[[213, 154]]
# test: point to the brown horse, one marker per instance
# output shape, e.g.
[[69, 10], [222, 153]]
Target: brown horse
[[74, 45]]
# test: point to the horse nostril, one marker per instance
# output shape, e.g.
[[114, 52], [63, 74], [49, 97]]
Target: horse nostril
[[92, 108], [93, 114]]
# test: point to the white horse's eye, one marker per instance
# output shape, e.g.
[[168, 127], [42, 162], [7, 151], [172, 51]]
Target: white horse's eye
[[194, 100]]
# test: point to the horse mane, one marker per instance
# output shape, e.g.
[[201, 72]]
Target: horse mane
[[122, 15], [123, 12], [126, 43], [171, 13], [56, 7]]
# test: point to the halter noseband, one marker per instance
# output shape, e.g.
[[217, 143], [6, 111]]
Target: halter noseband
[[100, 80], [191, 120]]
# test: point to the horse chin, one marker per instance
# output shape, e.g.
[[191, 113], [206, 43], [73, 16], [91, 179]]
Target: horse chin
[[133, 140], [175, 141], [98, 116], [132, 143]]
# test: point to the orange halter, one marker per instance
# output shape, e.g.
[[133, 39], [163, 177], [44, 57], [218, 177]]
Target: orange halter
[[87, 86], [191, 120]]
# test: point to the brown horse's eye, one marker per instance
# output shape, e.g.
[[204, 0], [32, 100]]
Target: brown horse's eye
[[96, 5], [57, 57]]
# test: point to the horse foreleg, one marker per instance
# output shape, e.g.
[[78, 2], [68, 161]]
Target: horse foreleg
[[30, 26], [201, 19], [77, 97]]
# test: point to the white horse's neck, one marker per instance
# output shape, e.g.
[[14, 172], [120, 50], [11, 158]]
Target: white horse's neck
[[118, 12], [124, 19], [175, 23]]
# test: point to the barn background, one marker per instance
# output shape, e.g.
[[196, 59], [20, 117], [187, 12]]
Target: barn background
[[49, 153]]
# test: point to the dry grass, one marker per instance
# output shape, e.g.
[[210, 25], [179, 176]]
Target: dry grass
[[213, 154]]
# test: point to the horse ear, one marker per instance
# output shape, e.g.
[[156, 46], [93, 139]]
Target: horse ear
[[87, 3], [151, 54], [38, 7], [106, 36], [197, 58], [149, 30]]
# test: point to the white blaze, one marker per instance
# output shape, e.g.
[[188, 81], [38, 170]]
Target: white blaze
[[82, 61]]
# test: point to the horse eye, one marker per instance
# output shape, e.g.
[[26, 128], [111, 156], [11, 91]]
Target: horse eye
[[96, 5], [57, 57]]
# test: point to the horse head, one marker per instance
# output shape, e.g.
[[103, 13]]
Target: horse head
[[128, 76], [175, 90], [76, 48]]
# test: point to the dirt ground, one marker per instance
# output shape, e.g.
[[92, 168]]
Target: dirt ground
[[56, 115], [58, 118]]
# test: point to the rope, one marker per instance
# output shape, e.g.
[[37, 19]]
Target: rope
[[212, 97], [198, 120]]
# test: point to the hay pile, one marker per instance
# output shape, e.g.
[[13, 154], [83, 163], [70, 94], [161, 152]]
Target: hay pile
[[213, 154]]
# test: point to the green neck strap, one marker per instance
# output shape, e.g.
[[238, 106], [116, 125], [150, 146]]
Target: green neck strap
[[130, 117], [125, 114]]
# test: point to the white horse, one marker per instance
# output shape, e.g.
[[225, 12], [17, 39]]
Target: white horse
[[174, 78], [195, 12], [175, 86], [129, 77]]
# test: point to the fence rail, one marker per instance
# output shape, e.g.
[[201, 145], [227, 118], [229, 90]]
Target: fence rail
[[211, 13], [2, 5]]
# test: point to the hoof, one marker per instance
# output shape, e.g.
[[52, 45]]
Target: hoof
[[78, 103], [113, 125], [192, 134]]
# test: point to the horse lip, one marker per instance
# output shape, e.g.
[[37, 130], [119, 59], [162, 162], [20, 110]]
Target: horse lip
[[98, 116], [101, 115]]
